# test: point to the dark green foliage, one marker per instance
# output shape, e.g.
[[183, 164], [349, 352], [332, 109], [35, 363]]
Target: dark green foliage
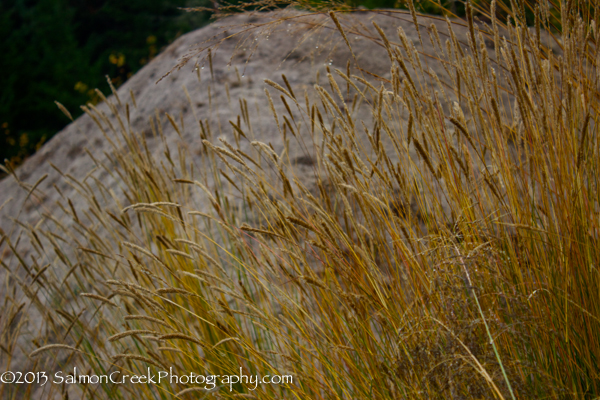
[[62, 49]]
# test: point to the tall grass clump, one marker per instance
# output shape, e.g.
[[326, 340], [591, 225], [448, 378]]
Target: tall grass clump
[[448, 247]]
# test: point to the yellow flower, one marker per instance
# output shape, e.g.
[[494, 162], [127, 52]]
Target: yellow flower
[[81, 87], [117, 59]]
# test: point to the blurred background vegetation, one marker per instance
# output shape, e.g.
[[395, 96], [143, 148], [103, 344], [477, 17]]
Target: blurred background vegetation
[[61, 50]]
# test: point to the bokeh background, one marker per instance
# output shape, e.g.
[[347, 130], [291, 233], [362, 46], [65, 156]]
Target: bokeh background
[[63, 49]]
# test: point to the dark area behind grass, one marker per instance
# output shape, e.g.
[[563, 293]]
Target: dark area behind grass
[[61, 50]]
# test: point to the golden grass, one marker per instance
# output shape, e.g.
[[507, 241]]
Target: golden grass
[[469, 271]]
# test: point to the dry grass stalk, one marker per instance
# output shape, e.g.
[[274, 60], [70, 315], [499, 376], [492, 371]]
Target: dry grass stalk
[[470, 205]]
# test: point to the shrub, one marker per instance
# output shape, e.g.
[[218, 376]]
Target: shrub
[[61, 50]]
